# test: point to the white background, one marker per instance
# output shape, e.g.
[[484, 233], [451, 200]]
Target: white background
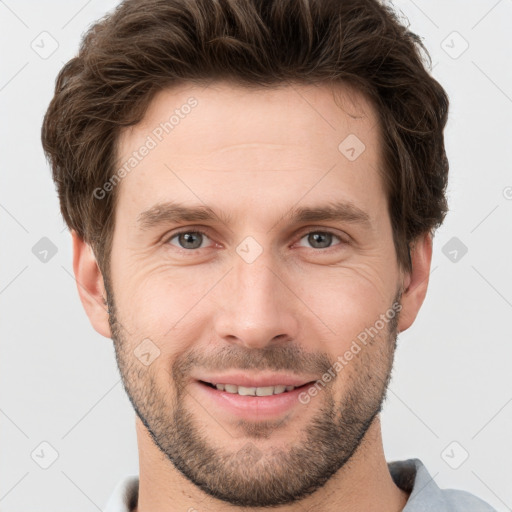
[[452, 379]]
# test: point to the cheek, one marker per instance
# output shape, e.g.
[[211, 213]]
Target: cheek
[[344, 301], [162, 304], [175, 306]]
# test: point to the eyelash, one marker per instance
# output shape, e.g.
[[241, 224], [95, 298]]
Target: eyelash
[[302, 235]]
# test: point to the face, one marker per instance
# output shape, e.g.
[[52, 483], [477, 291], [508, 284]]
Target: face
[[253, 247]]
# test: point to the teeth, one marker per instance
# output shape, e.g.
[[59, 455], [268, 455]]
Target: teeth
[[263, 391]]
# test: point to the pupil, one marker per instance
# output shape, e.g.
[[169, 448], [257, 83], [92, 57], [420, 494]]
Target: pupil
[[188, 238], [318, 238]]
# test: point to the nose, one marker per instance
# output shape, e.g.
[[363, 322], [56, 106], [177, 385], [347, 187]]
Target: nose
[[257, 307]]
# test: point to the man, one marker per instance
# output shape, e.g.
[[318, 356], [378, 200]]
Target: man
[[252, 189]]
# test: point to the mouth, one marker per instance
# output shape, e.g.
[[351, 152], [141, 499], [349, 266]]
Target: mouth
[[252, 396], [253, 390]]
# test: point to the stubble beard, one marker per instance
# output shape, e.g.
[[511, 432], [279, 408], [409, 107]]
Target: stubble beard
[[257, 473]]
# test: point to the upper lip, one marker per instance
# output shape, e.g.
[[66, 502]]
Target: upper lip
[[242, 379]]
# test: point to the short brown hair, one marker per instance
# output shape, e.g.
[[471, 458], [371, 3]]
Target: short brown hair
[[144, 46]]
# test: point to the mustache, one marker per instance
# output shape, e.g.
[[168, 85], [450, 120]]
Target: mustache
[[289, 357]]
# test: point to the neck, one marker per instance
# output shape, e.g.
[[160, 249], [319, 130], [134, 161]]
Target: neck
[[362, 484]]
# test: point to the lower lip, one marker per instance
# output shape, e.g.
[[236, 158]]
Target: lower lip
[[253, 407]]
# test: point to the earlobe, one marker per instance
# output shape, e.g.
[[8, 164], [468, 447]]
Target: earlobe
[[90, 285], [416, 282]]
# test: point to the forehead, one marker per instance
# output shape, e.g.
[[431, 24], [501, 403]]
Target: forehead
[[224, 113], [251, 148]]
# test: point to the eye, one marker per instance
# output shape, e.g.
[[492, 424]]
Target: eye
[[189, 239], [195, 239], [321, 239]]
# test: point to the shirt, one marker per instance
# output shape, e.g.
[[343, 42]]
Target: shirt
[[410, 475]]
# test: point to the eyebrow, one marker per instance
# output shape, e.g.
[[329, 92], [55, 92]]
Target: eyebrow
[[171, 212]]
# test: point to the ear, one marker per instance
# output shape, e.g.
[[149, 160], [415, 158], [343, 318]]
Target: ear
[[91, 288], [416, 282]]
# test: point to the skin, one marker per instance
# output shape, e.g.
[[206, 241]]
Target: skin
[[255, 155]]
